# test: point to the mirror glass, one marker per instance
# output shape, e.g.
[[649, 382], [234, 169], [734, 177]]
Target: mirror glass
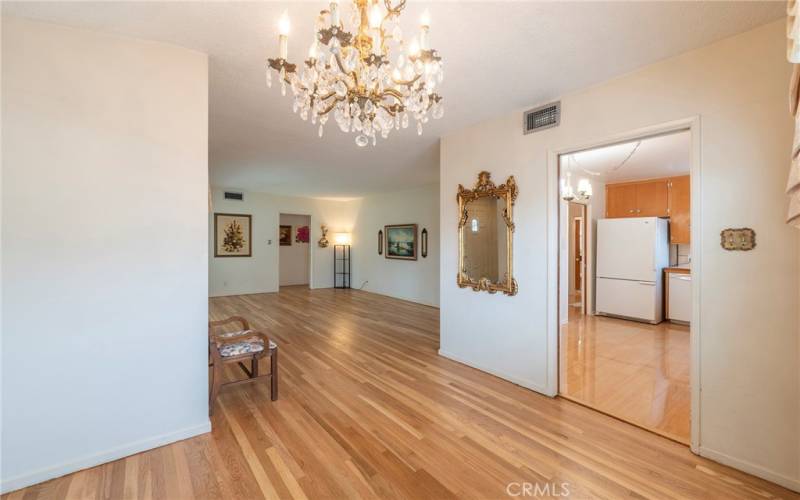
[[485, 243]]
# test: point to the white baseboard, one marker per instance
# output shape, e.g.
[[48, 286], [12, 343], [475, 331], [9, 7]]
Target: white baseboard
[[750, 468], [528, 384], [54, 471], [404, 299]]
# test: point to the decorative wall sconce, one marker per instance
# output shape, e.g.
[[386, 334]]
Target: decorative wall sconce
[[424, 243], [323, 242], [380, 242]]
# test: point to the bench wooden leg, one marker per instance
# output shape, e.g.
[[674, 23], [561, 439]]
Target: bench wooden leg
[[216, 383], [273, 363]]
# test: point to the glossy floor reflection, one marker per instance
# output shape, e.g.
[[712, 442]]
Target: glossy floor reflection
[[633, 371]]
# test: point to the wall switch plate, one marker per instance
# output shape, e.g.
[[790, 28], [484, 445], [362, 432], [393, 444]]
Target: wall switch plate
[[733, 239]]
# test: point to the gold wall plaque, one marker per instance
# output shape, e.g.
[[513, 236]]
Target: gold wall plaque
[[738, 239], [486, 236]]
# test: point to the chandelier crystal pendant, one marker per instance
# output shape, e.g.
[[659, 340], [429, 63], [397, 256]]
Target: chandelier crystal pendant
[[352, 76]]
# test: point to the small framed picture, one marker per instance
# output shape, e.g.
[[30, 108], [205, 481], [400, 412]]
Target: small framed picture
[[232, 235], [401, 241], [285, 236]]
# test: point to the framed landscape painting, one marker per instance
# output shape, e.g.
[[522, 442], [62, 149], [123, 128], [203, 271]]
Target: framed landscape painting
[[401, 241], [232, 235]]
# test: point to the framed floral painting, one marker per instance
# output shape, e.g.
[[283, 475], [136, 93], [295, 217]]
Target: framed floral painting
[[232, 235]]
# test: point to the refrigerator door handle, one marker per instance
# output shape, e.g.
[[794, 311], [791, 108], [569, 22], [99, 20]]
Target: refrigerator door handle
[[648, 283]]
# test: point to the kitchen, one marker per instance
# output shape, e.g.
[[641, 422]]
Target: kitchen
[[624, 342]]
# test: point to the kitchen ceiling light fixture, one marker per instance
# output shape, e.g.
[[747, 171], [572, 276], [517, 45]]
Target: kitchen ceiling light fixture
[[352, 76], [582, 194]]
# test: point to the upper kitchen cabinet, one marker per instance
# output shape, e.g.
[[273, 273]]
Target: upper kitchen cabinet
[[652, 199], [669, 197], [620, 200], [680, 209], [638, 199]]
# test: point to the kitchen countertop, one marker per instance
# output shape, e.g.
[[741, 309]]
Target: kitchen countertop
[[680, 268]]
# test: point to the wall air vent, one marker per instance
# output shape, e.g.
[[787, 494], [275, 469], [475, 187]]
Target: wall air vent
[[542, 118], [234, 196]]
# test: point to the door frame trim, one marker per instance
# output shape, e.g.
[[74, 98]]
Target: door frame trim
[[693, 125]]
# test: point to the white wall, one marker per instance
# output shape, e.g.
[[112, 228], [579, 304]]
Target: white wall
[[260, 273], [417, 281], [104, 202], [748, 329], [294, 259]]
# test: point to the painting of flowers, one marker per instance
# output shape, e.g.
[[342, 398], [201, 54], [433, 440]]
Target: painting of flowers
[[302, 235], [232, 235], [401, 241]]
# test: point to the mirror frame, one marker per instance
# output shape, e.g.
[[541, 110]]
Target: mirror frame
[[484, 188]]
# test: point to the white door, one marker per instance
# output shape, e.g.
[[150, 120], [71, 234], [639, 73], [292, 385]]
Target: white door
[[631, 299], [626, 248]]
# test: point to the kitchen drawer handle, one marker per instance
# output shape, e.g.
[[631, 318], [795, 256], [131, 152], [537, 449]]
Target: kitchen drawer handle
[[648, 283]]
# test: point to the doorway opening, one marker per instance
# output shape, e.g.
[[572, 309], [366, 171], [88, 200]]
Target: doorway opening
[[624, 283], [294, 255]]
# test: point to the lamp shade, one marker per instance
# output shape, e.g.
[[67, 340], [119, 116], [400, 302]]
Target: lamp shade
[[342, 238]]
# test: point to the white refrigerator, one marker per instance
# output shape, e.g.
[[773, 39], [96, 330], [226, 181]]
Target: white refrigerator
[[631, 256]]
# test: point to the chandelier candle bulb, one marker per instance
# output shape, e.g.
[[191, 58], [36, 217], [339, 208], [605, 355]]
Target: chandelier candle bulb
[[335, 13], [413, 48], [283, 35], [425, 26]]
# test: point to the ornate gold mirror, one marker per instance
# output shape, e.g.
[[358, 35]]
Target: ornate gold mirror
[[486, 235]]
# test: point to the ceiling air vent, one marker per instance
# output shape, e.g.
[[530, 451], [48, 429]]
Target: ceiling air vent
[[234, 196], [542, 118]]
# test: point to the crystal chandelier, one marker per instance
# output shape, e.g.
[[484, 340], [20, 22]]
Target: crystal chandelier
[[352, 76]]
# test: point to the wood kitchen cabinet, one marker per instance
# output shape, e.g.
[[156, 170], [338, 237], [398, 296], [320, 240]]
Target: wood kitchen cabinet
[[638, 199], [679, 209], [620, 200], [668, 197]]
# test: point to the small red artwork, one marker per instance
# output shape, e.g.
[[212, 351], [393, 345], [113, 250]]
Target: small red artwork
[[302, 234]]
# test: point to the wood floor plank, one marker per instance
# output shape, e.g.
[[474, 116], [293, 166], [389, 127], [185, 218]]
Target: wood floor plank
[[368, 409]]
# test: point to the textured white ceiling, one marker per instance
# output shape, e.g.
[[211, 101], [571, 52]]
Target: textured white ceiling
[[499, 56], [651, 158]]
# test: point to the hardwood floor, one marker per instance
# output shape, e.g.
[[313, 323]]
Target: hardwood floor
[[634, 371], [368, 409]]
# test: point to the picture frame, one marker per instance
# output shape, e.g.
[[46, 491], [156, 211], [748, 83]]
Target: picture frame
[[233, 235], [401, 241], [285, 236]]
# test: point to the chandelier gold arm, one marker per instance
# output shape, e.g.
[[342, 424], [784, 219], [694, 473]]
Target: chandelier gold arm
[[352, 74], [406, 82], [393, 11]]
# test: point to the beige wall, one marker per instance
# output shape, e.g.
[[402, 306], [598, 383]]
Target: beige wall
[[105, 194], [417, 281], [748, 329], [261, 272]]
